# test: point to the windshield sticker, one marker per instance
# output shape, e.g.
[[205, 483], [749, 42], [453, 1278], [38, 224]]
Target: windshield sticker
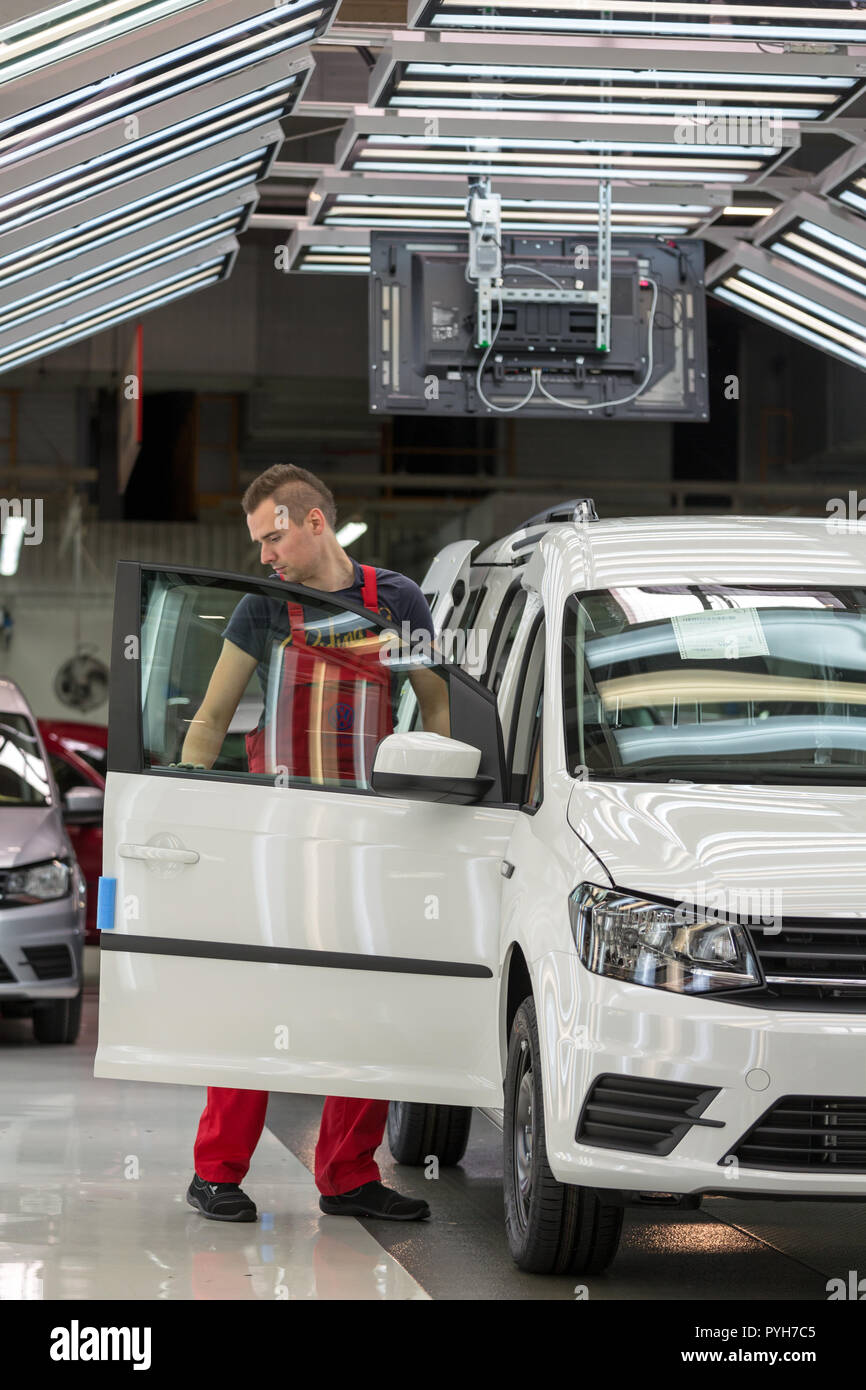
[[721, 633]]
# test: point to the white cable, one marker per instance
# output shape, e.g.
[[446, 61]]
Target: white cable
[[600, 405], [501, 409], [533, 270]]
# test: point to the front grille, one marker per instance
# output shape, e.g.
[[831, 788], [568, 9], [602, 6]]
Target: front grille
[[6, 976], [819, 962], [49, 962], [642, 1115], [806, 1134]]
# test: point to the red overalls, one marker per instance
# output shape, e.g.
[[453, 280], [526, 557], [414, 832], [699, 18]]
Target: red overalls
[[323, 692]]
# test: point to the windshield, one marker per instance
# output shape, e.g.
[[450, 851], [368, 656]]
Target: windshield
[[716, 682], [23, 778]]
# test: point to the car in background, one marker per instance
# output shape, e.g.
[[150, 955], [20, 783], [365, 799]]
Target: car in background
[[78, 754], [43, 898]]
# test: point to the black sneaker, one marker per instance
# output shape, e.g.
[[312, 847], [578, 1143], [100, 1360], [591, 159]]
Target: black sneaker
[[373, 1199], [220, 1201]]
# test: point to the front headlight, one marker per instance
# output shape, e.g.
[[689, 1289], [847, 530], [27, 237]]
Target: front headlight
[[648, 943], [36, 884]]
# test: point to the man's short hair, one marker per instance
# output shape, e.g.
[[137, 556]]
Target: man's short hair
[[295, 488]]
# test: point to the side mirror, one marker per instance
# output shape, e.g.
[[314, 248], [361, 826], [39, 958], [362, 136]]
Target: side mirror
[[429, 767], [83, 804]]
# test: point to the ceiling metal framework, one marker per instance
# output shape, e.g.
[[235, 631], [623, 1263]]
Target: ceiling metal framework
[[138, 138]]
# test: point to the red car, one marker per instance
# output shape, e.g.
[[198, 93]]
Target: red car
[[79, 756]]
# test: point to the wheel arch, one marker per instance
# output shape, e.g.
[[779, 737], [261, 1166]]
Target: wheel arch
[[517, 984]]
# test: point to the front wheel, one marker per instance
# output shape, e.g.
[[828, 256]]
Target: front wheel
[[418, 1132], [552, 1227], [59, 1022]]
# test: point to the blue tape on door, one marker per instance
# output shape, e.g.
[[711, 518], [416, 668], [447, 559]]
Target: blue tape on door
[[105, 904]]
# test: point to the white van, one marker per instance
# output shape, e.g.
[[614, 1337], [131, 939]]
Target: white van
[[623, 903]]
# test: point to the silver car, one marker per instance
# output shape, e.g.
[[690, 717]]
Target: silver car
[[42, 889]]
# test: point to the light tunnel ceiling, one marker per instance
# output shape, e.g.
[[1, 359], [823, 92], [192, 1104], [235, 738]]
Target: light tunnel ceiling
[[132, 138], [138, 138]]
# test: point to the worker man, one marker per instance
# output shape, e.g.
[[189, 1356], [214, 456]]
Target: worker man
[[291, 514]]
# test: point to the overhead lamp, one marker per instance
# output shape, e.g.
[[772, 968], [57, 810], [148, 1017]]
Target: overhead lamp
[[518, 215], [328, 251], [794, 21], [825, 241], [351, 532], [184, 68], [368, 200], [10, 544], [511, 73], [118, 164], [828, 320], [150, 294], [822, 253], [747, 210], [618, 148], [154, 206], [106, 274], [60, 31]]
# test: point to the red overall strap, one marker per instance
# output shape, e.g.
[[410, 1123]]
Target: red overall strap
[[369, 598], [369, 593]]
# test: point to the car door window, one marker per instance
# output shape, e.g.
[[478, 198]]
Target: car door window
[[526, 781], [305, 693], [504, 641]]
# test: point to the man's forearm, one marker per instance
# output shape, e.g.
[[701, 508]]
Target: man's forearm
[[203, 741]]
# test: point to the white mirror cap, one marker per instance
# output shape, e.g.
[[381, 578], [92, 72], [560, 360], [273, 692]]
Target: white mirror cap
[[427, 755]]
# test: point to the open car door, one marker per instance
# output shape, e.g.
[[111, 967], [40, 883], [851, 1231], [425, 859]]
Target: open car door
[[446, 583], [291, 929]]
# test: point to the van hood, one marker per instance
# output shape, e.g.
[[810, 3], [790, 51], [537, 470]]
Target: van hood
[[786, 850], [29, 834]]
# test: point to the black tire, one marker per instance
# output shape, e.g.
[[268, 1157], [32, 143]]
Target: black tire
[[59, 1022], [417, 1132], [552, 1227]]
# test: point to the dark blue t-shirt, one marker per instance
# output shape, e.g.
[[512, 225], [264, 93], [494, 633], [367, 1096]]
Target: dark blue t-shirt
[[259, 622]]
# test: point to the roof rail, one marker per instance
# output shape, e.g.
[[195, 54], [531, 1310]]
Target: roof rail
[[577, 509]]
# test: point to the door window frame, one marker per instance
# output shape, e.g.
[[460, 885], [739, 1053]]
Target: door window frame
[[473, 707], [538, 623]]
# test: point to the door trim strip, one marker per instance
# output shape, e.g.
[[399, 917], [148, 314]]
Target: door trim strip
[[280, 955]]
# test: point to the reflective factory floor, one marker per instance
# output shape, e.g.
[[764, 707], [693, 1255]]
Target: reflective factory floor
[[93, 1175]]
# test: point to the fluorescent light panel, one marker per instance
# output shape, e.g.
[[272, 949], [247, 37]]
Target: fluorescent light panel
[[321, 250], [852, 190], [588, 159], [183, 69], [794, 313], [114, 272], [518, 214], [822, 252], [137, 215], [118, 166], [97, 319], [57, 33], [753, 97], [801, 20]]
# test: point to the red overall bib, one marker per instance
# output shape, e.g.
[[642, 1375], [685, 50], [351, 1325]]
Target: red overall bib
[[333, 707]]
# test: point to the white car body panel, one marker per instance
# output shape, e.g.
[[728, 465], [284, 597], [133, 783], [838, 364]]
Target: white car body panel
[[310, 871], [359, 869]]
